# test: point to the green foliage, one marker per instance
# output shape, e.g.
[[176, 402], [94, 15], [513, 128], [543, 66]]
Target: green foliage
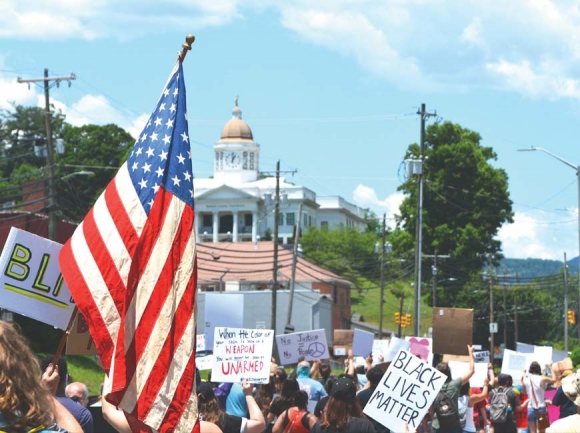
[[465, 200], [529, 268], [575, 357]]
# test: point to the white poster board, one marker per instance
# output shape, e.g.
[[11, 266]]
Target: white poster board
[[242, 354], [524, 347], [205, 362], [308, 344], [362, 343], [394, 346], [459, 368], [30, 280], [199, 342], [404, 393], [224, 310], [514, 364], [380, 348], [543, 355]]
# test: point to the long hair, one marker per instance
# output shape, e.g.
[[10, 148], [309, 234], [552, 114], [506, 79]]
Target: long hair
[[338, 411], [209, 410], [24, 402], [535, 368]]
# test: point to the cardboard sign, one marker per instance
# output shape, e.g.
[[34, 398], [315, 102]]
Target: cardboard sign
[[362, 343], [242, 354], [452, 330], [79, 341], [380, 349], [405, 393], [222, 310], [310, 345], [30, 280], [342, 340], [482, 356]]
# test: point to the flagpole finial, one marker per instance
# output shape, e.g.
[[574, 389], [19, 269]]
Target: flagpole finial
[[189, 39]]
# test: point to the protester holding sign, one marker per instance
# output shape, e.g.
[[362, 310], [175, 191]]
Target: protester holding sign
[[451, 388], [26, 404]]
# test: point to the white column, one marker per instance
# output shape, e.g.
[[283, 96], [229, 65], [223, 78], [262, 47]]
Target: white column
[[235, 228], [197, 217], [215, 227], [254, 226]]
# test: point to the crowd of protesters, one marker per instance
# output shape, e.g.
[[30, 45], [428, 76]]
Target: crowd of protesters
[[36, 397]]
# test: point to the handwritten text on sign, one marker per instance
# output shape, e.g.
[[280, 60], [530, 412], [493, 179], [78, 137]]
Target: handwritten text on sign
[[309, 344], [242, 354], [405, 392]]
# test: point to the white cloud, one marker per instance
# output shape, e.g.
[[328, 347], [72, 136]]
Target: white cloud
[[366, 197], [537, 234], [473, 33]]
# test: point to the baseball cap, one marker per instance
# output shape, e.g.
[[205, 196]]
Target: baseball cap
[[205, 392], [343, 388]]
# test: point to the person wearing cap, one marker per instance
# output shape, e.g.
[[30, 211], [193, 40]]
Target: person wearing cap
[[208, 409], [567, 406], [343, 412], [569, 424]]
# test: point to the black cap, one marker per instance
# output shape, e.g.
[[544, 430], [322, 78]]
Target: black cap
[[205, 392], [343, 388]]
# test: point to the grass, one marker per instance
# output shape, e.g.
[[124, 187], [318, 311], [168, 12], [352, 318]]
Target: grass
[[86, 370], [365, 301]]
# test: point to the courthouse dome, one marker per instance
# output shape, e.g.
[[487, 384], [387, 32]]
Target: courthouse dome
[[236, 128]]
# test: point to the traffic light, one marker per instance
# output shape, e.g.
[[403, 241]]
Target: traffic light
[[397, 317], [403, 321], [571, 317], [408, 319]]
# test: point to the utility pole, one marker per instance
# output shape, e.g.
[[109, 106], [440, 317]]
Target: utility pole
[[382, 296], [566, 303], [434, 272], [399, 330], [505, 309], [419, 226], [515, 318], [289, 327], [275, 276], [49, 149], [490, 278]]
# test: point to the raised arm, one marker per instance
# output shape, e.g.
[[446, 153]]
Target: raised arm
[[256, 423], [476, 398], [467, 375]]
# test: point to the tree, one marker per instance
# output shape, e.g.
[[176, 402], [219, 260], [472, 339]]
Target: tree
[[465, 200]]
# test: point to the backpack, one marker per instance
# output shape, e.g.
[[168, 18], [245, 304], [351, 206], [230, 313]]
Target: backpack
[[445, 410], [298, 423], [498, 406], [462, 406]]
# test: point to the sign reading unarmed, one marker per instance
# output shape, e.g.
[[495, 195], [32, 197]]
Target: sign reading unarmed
[[405, 392], [308, 344], [30, 280], [242, 354]]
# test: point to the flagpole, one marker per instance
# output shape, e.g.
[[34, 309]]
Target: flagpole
[[189, 39], [64, 337]]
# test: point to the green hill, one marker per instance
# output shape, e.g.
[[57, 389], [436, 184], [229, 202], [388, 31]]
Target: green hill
[[530, 268]]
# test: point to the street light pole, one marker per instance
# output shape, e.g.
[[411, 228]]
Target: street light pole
[[577, 168]]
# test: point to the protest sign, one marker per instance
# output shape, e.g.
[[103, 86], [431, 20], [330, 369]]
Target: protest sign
[[543, 355], [524, 347], [482, 356], [242, 354], [514, 363], [79, 341], [362, 343], [204, 362], [222, 310], [394, 346], [380, 348], [404, 393], [342, 340], [421, 347], [452, 330], [30, 279], [199, 342], [460, 368], [308, 344]]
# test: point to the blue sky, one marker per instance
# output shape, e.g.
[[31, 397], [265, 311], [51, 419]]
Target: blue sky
[[330, 87]]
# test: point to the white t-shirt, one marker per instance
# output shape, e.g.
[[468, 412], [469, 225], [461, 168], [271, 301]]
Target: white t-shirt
[[540, 393]]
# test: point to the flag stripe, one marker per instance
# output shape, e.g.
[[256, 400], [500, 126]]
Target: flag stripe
[[131, 268]]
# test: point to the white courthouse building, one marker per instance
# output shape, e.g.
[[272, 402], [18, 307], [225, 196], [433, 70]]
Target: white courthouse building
[[237, 204]]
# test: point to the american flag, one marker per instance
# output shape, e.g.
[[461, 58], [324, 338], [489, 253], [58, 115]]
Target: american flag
[[131, 269]]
